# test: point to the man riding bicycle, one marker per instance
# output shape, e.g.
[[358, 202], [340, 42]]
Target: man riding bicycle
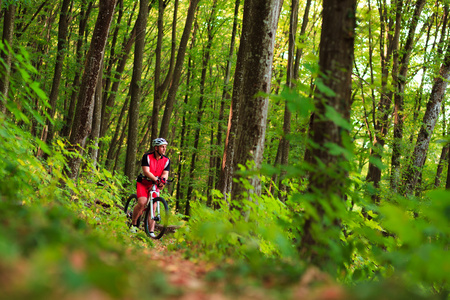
[[155, 169]]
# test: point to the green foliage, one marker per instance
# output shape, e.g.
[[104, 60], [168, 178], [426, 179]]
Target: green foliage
[[60, 238], [236, 232]]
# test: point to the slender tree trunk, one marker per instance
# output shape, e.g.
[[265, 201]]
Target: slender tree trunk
[[329, 175], [60, 55], [447, 185], [180, 191], [429, 121], [111, 99], [85, 105], [284, 143], [442, 161], [96, 120], [178, 68], [400, 83], [299, 52], [135, 90], [120, 143], [69, 115], [382, 112], [212, 164], [115, 140], [226, 96], [157, 93], [253, 77], [443, 158], [159, 87], [206, 56], [5, 69]]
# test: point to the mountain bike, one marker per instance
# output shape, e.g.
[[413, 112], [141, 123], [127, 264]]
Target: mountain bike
[[160, 213]]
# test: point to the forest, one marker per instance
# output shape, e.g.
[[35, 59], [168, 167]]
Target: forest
[[309, 146]]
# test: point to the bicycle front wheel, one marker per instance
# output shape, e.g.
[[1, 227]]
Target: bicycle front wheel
[[161, 218], [129, 206]]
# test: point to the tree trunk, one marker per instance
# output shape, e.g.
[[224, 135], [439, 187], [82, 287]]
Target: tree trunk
[[111, 99], [60, 55], [115, 140], [284, 143], [85, 105], [120, 143], [443, 158], [400, 83], [206, 56], [447, 185], [328, 176], [180, 190], [135, 90], [157, 93], [382, 112], [70, 113], [299, 52], [442, 161], [178, 68], [96, 120], [5, 69], [429, 121], [253, 77], [225, 98], [158, 87]]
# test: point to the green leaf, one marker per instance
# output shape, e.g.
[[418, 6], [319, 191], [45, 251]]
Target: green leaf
[[324, 89], [44, 147], [337, 118], [377, 162]]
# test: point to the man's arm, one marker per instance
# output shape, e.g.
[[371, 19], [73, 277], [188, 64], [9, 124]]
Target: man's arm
[[165, 174], [148, 174]]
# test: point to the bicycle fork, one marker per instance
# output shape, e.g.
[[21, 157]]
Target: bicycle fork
[[154, 213]]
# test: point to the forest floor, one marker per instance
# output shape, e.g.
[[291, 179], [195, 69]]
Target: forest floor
[[191, 279]]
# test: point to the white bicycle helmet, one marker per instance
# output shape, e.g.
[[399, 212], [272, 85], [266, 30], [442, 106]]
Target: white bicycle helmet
[[159, 142]]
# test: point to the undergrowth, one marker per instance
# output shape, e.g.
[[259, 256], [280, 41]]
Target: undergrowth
[[61, 238]]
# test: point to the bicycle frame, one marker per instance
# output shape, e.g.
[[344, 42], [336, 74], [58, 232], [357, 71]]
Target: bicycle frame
[[153, 193]]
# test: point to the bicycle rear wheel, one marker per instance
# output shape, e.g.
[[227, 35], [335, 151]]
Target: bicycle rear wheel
[[129, 206], [161, 219]]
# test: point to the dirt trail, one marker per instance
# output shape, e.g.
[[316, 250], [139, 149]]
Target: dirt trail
[[190, 278]]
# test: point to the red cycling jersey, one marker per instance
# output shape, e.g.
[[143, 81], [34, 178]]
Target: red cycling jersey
[[157, 167]]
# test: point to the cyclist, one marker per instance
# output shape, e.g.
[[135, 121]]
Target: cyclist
[[155, 169]]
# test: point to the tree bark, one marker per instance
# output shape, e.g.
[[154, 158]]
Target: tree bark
[[60, 55], [226, 96], [96, 120], [252, 78], [135, 90], [447, 185], [184, 127], [85, 105], [178, 68], [284, 143], [205, 62], [328, 175], [70, 113], [382, 110], [159, 87], [109, 98], [115, 140], [7, 36], [442, 161], [400, 83], [429, 121]]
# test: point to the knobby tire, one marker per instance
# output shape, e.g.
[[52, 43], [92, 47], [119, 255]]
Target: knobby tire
[[129, 206], [161, 225]]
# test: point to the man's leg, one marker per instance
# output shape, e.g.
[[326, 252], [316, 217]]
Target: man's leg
[[138, 209]]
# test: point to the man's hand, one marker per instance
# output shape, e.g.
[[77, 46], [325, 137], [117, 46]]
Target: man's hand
[[161, 182]]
